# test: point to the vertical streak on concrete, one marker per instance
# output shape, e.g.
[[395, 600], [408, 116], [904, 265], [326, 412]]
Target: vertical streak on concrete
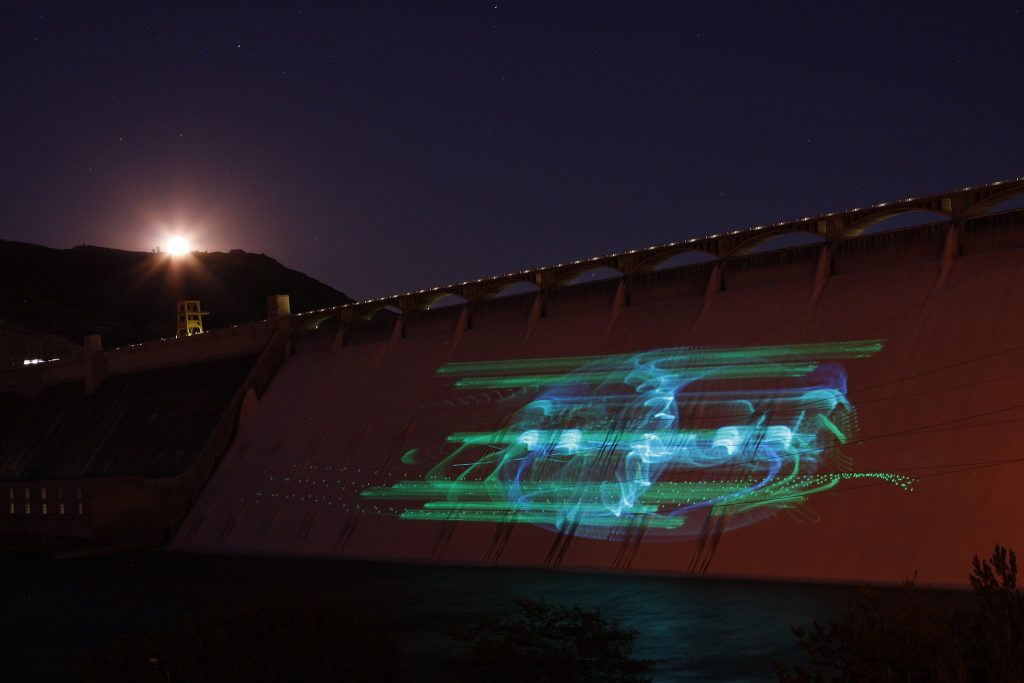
[[93, 351], [714, 287], [950, 253], [823, 273], [617, 305], [339, 339], [397, 331], [396, 335], [461, 326], [536, 313]]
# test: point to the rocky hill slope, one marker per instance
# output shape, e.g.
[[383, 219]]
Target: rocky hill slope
[[51, 295]]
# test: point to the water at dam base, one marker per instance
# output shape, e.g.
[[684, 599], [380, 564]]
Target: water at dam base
[[693, 629]]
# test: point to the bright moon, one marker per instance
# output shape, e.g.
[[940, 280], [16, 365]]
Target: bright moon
[[178, 246]]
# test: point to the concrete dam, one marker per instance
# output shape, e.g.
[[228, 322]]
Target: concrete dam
[[846, 410]]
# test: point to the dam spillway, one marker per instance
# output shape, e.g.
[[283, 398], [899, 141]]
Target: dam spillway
[[843, 411]]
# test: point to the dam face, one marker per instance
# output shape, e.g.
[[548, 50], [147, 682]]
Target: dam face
[[843, 412]]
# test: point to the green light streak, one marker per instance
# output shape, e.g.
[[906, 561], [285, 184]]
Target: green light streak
[[658, 493], [831, 426], [796, 369], [689, 356], [651, 521], [552, 437], [609, 443], [532, 506]]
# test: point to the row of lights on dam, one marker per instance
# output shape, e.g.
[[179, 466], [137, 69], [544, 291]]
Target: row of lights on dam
[[447, 288], [634, 251]]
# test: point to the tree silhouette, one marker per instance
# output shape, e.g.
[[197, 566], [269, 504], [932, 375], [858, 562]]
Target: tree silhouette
[[911, 634], [996, 632]]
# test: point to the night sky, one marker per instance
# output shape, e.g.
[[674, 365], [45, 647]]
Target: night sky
[[382, 147]]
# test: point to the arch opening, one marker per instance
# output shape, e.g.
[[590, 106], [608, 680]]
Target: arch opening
[[781, 240], [332, 324], [446, 300], [588, 275], [381, 313], [515, 288], [895, 220], [678, 259], [1006, 201], [310, 322]]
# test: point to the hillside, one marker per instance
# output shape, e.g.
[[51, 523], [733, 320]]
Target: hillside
[[130, 297]]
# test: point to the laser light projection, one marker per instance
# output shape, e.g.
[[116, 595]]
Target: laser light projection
[[662, 441]]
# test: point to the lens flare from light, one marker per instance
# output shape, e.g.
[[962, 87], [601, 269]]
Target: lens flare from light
[[178, 246]]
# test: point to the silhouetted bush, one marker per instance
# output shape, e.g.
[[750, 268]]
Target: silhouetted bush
[[911, 634], [542, 642], [883, 635], [995, 634], [272, 638]]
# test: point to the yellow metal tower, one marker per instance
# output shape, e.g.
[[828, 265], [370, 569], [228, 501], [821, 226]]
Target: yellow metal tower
[[190, 318]]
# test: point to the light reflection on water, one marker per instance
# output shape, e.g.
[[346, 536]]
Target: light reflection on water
[[694, 630]]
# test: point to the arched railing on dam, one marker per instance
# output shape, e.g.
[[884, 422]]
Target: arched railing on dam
[[945, 211]]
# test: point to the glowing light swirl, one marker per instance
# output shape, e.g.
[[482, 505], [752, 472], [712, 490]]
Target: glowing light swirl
[[653, 439]]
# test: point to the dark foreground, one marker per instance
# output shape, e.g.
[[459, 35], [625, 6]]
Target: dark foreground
[[59, 613]]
